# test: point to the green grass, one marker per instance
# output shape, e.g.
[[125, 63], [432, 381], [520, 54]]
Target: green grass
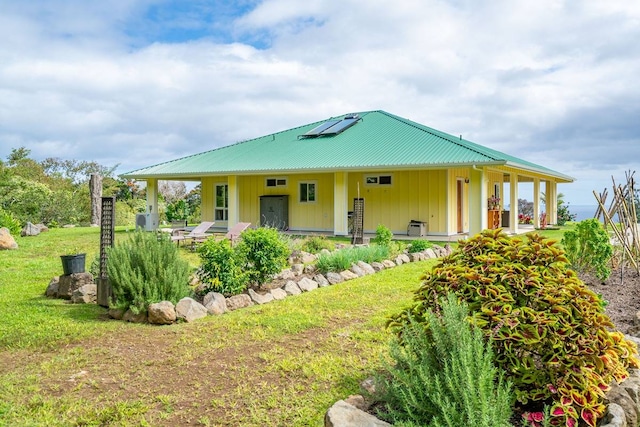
[[282, 363]]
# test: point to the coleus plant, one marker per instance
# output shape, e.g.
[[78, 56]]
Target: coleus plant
[[550, 333]]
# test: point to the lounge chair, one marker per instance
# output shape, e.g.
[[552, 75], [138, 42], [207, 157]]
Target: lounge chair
[[234, 233], [195, 235]]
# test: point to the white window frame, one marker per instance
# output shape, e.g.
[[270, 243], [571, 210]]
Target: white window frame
[[225, 208], [373, 180], [315, 191], [280, 181]]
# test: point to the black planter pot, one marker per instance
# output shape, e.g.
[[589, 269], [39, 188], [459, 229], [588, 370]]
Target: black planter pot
[[73, 263]]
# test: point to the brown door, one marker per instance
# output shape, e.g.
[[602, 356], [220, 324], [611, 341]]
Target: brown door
[[459, 200]]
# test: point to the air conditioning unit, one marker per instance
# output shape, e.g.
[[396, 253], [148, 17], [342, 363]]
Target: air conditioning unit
[[147, 221]]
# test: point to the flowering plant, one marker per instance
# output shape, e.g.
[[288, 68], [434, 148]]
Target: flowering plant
[[494, 202]]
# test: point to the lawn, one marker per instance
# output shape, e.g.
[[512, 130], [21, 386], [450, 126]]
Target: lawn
[[281, 364]]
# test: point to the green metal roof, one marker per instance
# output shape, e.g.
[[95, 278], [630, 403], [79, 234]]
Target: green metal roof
[[379, 140]]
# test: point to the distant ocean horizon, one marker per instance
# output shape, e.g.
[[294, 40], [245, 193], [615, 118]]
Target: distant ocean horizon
[[582, 211]]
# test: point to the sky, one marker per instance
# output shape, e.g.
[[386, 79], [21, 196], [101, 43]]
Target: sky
[[134, 83]]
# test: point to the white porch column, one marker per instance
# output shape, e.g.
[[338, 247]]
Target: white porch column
[[340, 203], [536, 203], [234, 202], [552, 202], [478, 216], [513, 208], [151, 210]]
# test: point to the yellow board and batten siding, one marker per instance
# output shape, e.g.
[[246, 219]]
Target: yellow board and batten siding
[[413, 195]]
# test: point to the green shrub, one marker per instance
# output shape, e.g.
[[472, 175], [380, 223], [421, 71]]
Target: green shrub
[[265, 253], [444, 375], [145, 269], [588, 248], [221, 269], [314, 244], [383, 236], [419, 245], [342, 259], [9, 221], [551, 335]]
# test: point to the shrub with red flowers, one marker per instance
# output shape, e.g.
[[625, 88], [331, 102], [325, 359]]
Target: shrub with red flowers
[[549, 332], [524, 219]]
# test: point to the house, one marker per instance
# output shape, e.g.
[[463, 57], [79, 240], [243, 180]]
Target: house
[[305, 179]]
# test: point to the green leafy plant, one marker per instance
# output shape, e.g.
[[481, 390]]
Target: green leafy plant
[[383, 236], [314, 244], [419, 245], [221, 269], [588, 248], [264, 251], [443, 374], [145, 269], [550, 333], [10, 222]]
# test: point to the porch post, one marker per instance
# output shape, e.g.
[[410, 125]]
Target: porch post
[[234, 204], [536, 202], [552, 202], [152, 196], [340, 203], [513, 208], [478, 216]]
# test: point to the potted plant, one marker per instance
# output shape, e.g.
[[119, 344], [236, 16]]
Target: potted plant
[[494, 203], [73, 262]]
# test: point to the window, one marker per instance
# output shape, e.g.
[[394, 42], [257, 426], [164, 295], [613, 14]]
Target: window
[[377, 180], [221, 212], [276, 182], [307, 192]]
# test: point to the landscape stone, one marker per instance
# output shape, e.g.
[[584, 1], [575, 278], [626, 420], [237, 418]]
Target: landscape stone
[[342, 414], [430, 253], [30, 230], [116, 313], [310, 268], [321, 280], [355, 269], [357, 401], [215, 303], [377, 266], [68, 283], [398, 260], [189, 310], [348, 275], [405, 258], [614, 417], [388, 263], [324, 252], [334, 278], [278, 293], [52, 288], [130, 316], [297, 269], [368, 269], [416, 256], [621, 397], [85, 294], [260, 298], [7, 242], [162, 313], [238, 301], [307, 285], [292, 288], [286, 274], [307, 258]]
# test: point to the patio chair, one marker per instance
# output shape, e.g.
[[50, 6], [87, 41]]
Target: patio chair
[[234, 233], [195, 235]]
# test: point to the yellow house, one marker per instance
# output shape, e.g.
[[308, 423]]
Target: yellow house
[[405, 175]]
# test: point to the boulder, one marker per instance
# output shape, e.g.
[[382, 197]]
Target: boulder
[[355, 269], [260, 298], [617, 394], [30, 230], [614, 416], [388, 263], [68, 283], [238, 301], [324, 251], [292, 288], [430, 254], [334, 278], [278, 293], [215, 303], [343, 414], [116, 313], [189, 310], [307, 258], [85, 294], [52, 288], [321, 280], [286, 274], [405, 258], [416, 256], [310, 268], [297, 269], [162, 313], [398, 260], [358, 401], [130, 316], [7, 242], [348, 275], [307, 285], [377, 266], [367, 268]]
